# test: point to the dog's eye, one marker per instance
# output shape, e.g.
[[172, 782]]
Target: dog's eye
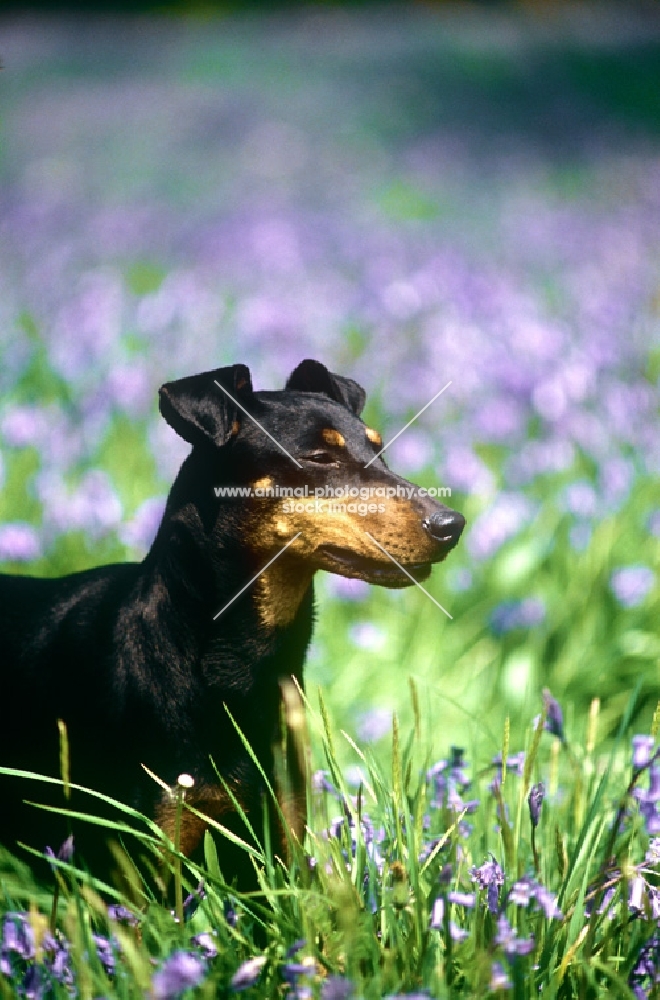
[[320, 457]]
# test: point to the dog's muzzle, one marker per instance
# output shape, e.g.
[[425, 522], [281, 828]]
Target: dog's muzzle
[[445, 528]]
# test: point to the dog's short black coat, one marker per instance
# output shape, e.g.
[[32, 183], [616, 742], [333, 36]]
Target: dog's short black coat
[[131, 657]]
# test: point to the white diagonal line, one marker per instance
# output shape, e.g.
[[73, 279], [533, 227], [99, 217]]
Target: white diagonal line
[[260, 426], [410, 577], [407, 426], [257, 575]]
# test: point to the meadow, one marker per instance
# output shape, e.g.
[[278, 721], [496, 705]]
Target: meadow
[[413, 197]]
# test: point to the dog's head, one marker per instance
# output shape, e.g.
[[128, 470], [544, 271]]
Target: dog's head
[[314, 468]]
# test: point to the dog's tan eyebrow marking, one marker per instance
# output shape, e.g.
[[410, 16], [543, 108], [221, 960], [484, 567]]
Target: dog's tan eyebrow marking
[[331, 436], [235, 427], [373, 436]]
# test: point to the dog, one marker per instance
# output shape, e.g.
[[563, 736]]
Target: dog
[[145, 662]]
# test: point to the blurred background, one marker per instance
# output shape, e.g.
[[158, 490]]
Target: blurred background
[[411, 194]]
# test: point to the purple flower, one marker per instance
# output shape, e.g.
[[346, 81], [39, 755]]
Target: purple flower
[[526, 890], [412, 451], [248, 973], [535, 801], [140, 531], [642, 750], [461, 898], [183, 970], [19, 542], [499, 978], [436, 922], [321, 783], [631, 584], [206, 944], [230, 913], [375, 724], [17, 935], [516, 762], [122, 915], [649, 798], [554, 722], [345, 589], [580, 498], [507, 938], [65, 852], [105, 952], [509, 513], [644, 976], [489, 877], [449, 779], [366, 635], [510, 615], [192, 901], [548, 902], [652, 856], [337, 988]]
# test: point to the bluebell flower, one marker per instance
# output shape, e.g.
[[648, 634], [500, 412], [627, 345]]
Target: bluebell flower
[[206, 944], [57, 959], [230, 912], [337, 988], [449, 780], [436, 921], [527, 890], [17, 935], [192, 901], [375, 724], [367, 635], [652, 856], [65, 852], [631, 584], [515, 762], [507, 938], [642, 750], [649, 798], [248, 973], [34, 986], [122, 915], [105, 950], [19, 542], [644, 977], [554, 722], [183, 970], [489, 877], [511, 615], [321, 783], [420, 995], [466, 899], [499, 978], [535, 801], [347, 589]]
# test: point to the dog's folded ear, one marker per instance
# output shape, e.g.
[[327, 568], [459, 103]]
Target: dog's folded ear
[[201, 408], [312, 376]]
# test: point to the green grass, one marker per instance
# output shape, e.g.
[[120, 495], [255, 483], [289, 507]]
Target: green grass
[[376, 905]]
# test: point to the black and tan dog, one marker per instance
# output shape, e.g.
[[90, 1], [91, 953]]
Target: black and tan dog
[[132, 656]]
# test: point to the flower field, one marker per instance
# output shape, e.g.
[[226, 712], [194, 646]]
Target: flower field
[[414, 196]]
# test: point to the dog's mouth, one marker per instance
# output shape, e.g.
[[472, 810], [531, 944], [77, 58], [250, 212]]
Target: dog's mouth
[[376, 571]]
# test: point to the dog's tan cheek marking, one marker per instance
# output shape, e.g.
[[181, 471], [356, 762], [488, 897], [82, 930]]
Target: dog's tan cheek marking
[[280, 590], [235, 427], [333, 437], [373, 436]]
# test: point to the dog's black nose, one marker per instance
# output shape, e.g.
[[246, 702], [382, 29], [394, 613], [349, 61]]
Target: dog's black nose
[[445, 527]]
